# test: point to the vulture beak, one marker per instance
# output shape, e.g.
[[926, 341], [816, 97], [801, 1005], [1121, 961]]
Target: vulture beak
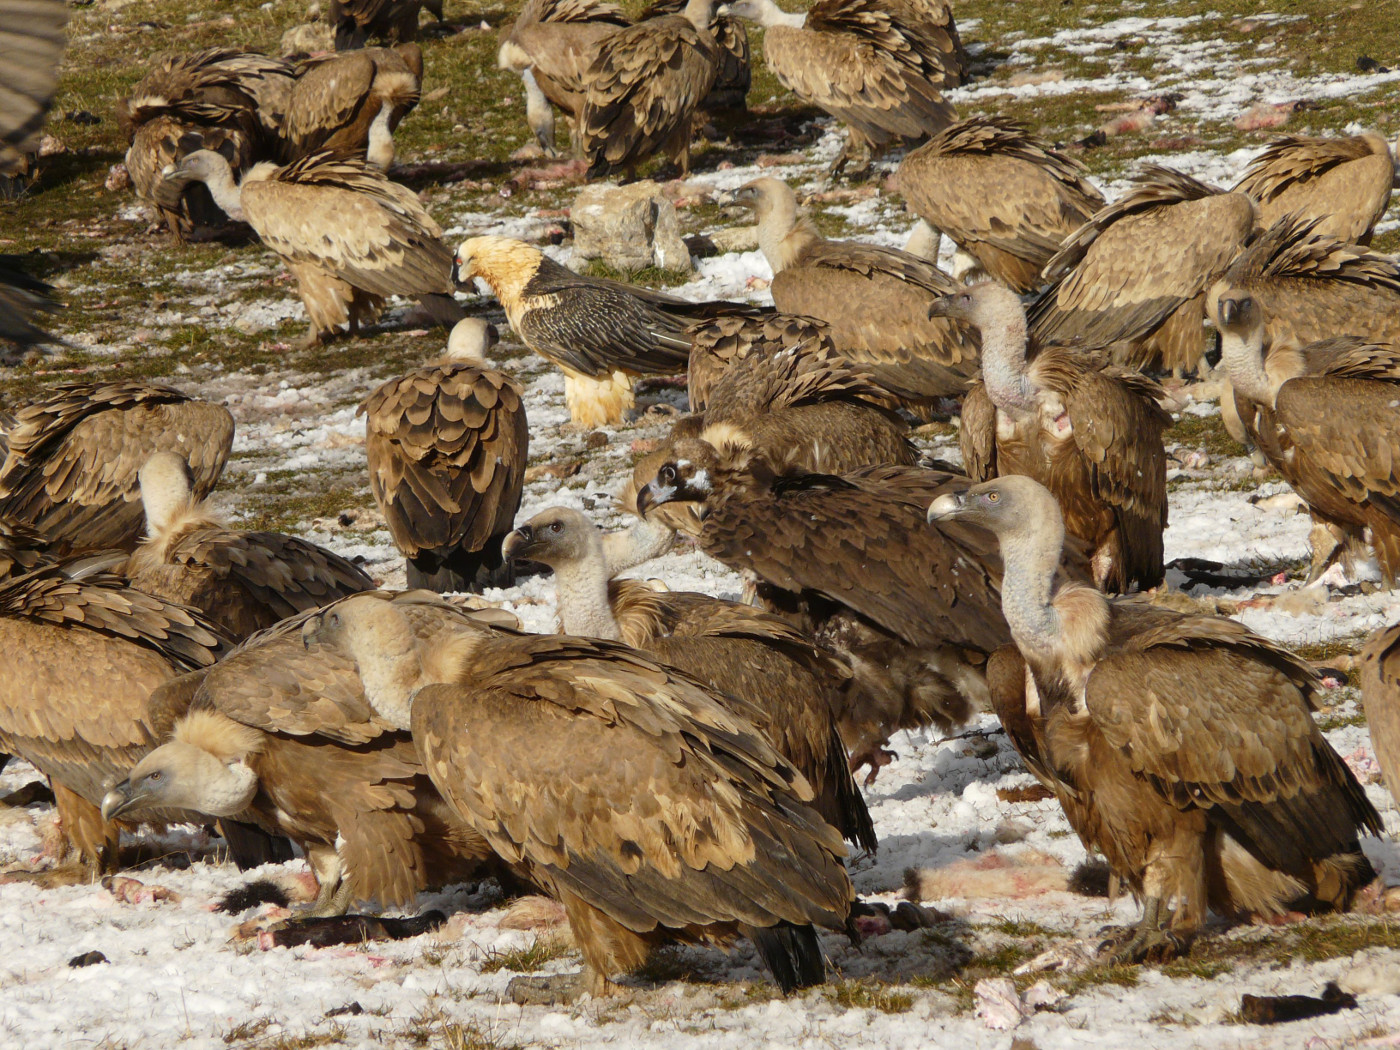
[[310, 631], [120, 800], [652, 495], [946, 506], [1229, 311], [939, 307], [519, 540]]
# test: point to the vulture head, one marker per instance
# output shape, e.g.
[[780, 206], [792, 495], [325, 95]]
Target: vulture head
[[554, 537], [204, 768], [763, 12], [470, 340], [165, 490], [986, 304], [1018, 509], [766, 197], [504, 263], [214, 170], [686, 476], [1239, 318]]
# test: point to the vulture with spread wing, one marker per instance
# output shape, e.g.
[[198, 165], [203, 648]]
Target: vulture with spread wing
[[352, 102]]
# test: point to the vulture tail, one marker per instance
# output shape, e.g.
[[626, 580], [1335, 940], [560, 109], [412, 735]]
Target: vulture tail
[[848, 804], [250, 847], [461, 570], [792, 954]]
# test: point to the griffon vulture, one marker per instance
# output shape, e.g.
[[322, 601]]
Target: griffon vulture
[[242, 581], [82, 653], [1006, 197], [626, 790], [352, 102], [1380, 697], [1184, 746], [279, 735], [719, 344], [850, 560], [875, 299], [734, 74], [1344, 183], [600, 333], [35, 39], [350, 236], [877, 65], [21, 548], [70, 471], [1133, 279], [787, 687], [1093, 437], [643, 89], [356, 21], [447, 447], [1327, 416]]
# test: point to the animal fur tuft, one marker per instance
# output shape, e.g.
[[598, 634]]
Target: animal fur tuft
[[253, 895]]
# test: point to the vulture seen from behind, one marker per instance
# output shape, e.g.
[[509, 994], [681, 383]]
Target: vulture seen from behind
[[627, 790], [447, 447], [1380, 698], [734, 73], [352, 102], [355, 22], [1182, 747]]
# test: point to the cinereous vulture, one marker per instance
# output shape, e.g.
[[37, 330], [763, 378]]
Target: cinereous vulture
[[875, 299], [279, 734], [626, 790], [1380, 697], [1327, 417], [1092, 436], [447, 447], [242, 581], [70, 470], [1006, 197], [349, 236], [1182, 747], [1132, 280], [877, 65], [352, 102], [786, 686], [1343, 183]]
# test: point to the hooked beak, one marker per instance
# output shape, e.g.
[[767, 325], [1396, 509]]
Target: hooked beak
[[311, 632], [120, 799], [517, 541], [653, 495], [458, 280], [1229, 311], [946, 506], [939, 307]]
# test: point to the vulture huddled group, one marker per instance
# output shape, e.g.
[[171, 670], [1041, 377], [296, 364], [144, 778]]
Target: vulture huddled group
[[673, 766]]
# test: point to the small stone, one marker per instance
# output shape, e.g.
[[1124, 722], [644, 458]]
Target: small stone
[[628, 227], [87, 959], [597, 439], [51, 146], [736, 239], [118, 178]]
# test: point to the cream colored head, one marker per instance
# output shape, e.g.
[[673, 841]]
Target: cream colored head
[[378, 637], [471, 338], [165, 490], [986, 305], [770, 198], [504, 263]]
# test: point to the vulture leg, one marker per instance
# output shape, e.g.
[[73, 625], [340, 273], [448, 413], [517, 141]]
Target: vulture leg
[[333, 896], [876, 758], [1148, 941], [461, 570], [857, 148], [82, 823], [250, 847], [1327, 547], [313, 337]]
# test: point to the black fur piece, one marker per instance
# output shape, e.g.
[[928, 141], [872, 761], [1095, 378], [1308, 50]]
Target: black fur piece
[[1090, 879], [255, 893]]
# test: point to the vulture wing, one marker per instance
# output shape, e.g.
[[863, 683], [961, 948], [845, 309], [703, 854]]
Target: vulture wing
[[717, 344], [1345, 183], [325, 98], [32, 42], [977, 437], [1380, 693]]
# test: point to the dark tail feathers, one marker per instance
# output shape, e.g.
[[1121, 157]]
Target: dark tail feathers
[[792, 954]]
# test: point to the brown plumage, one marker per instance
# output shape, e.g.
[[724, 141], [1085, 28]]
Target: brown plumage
[[242, 581], [1133, 279], [30, 77], [21, 548], [1380, 697], [1006, 197], [734, 73], [1327, 416], [71, 468], [1093, 437], [1344, 183], [625, 789], [279, 734], [914, 610], [875, 299], [1183, 747], [352, 103], [82, 653], [356, 21], [785, 685], [877, 65], [447, 447], [718, 344], [349, 236]]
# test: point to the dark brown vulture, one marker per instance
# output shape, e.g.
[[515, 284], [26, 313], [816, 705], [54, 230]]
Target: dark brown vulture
[[349, 236], [71, 468], [600, 333], [1133, 279], [1327, 416], [734, 74], [1343, 183], [787, 687], [1005, 197], [850, 560], [1184, 747], [83, 651], [877, 65], [279, 735], [642, 91], [447, 448], [352, 102], [875, 299], [1380, 697], [1093, 437], [355, 22], [626, 790], [242, 581], [717, 345]]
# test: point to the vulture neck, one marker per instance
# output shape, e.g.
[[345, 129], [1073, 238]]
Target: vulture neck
[[1030, 555], [640, 543], [700, 13], [1243, 355], [226, 193], [380, 148], [581, 590], [784, 236], [770, 14], [1004, 360], [390, 666]]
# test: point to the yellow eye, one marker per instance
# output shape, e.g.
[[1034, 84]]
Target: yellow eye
[[993, 497]]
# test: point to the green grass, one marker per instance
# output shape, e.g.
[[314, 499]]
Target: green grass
[[867, 995], [524, 960]]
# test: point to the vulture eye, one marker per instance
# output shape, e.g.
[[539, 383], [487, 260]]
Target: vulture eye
[[667, 474], [556, 527], [993, 497], [154, 777]]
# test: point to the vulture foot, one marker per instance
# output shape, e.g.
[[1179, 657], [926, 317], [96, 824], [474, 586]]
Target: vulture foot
[[1327, 547], [853, 162], [333, 900], [1147, 942], [560, 988], [876, 758]]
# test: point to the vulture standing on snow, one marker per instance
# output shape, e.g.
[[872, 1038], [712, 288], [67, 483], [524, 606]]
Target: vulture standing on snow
[[628, 791], [242, 581], [643, 89], [352, 102], [875, 299], [1327, 416], [1344, 183], [1380, 697], [83, 651], [1182, 747], [350, 236], [279, 735], [1093, 437], [71, 467], [877, 65], [1007, 198], [447, 447], [1133, 279], [850, 560], [601, 334], [786, 686], [356, 21]]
